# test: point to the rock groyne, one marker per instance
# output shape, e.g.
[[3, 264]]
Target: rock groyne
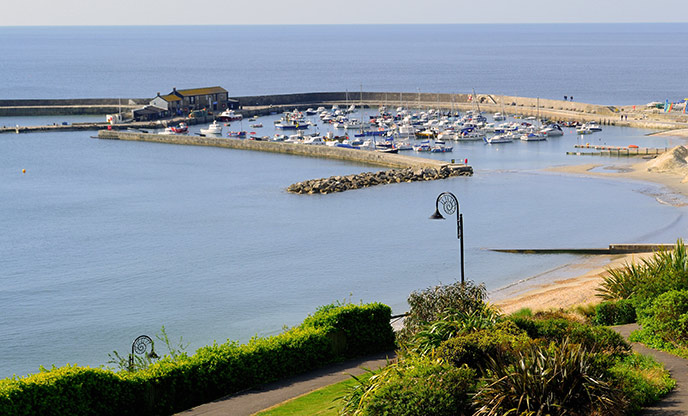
[[367, 179]]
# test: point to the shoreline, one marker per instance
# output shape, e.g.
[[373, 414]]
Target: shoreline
[[575, 283]]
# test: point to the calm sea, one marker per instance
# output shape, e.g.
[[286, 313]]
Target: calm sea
[[102, 241]]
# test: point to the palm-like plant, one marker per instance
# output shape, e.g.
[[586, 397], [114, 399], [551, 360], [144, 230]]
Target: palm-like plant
[[559, 380]]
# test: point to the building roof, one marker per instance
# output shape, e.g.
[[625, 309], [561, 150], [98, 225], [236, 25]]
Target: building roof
[[170, 97], [200, 91]]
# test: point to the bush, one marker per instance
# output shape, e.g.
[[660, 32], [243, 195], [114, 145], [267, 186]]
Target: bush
[[546, 381], [667, 317], [418, 387], [594, 339], [175, 384], [365, 328], [618, 312], [642, 380], [451, 324], [477, 348], [430, 304]]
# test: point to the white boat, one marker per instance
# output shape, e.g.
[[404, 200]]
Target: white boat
[[313, 140], [230, 115], [592, 126], [214, 129], [552, 130], [500, 138], [407, 131], [498, 117], [533, 137], [583, 130]]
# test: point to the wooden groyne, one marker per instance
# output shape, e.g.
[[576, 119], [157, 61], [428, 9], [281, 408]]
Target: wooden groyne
[[404, 168], [612, 249], [599, 150]]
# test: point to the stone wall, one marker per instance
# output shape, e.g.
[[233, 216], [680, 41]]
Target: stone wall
[[405, 168]]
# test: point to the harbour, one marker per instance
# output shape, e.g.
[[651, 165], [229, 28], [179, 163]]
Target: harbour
[[104, 240]]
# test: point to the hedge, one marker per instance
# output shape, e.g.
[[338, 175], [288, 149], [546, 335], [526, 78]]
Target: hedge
[[173, 385]]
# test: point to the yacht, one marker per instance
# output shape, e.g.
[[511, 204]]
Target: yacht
[[230, 115]]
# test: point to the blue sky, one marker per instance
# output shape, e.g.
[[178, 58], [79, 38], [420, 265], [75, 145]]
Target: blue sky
[[178, 12]]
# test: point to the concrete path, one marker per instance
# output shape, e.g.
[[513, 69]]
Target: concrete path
[[252, 401], [676, 402]]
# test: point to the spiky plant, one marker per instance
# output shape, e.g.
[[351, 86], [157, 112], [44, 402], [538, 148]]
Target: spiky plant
[[559, 380], [621, 283]]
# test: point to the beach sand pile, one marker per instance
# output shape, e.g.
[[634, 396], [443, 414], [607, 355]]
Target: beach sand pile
[[673, 161], [669, 170]]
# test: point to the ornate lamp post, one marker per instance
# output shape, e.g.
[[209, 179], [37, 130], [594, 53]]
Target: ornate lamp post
[[450, 205], [139, 346]]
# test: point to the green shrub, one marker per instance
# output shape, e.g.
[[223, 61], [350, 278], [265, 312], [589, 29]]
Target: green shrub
[[477, 348], [642, 380], [452, 323], [66, 390], [544, 381], [416, 387], [667, 317], [430, 304], [595, 339], [175, 384], [617, 312], [366, 328]]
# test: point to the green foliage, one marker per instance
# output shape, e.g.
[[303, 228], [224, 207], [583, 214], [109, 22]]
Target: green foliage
[[642, 380], [666, 270], [430, 304], [451, 324], [477, 348], [595, 339], [178, 381], [617, 312], [559, 379], [416, 387], [365, 328], [667, 317], [68, 390]]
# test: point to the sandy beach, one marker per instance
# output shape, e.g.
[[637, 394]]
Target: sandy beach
[[669, 170]]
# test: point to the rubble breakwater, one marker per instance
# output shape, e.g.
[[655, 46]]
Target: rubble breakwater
[[367, 179], [403, 168]]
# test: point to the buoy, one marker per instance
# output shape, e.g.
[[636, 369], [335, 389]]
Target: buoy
[[23, 170]]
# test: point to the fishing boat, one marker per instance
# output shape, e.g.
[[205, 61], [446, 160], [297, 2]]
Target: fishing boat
[[181, 128], [256, 125], [237, 134], [213, 129]]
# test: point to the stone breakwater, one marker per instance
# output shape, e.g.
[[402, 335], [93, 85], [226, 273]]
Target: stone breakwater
[[367, 179], [403, 168]]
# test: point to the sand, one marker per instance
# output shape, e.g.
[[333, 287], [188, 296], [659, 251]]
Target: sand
[[669, 170]]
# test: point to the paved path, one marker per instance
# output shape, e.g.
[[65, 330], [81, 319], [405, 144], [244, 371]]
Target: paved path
[[260, 398], [676, 402]]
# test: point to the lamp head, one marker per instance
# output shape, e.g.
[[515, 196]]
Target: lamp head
[[152, 355], [436, 215]]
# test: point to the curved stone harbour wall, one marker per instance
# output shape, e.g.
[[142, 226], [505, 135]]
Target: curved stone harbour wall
[[404, 168]]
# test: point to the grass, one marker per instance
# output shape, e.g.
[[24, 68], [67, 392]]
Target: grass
[[322, 402]]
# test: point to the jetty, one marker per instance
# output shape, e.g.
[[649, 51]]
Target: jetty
[[403, 168]]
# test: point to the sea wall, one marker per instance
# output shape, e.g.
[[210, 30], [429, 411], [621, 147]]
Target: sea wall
[[76, 106], [404, 168], [352, 155]]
